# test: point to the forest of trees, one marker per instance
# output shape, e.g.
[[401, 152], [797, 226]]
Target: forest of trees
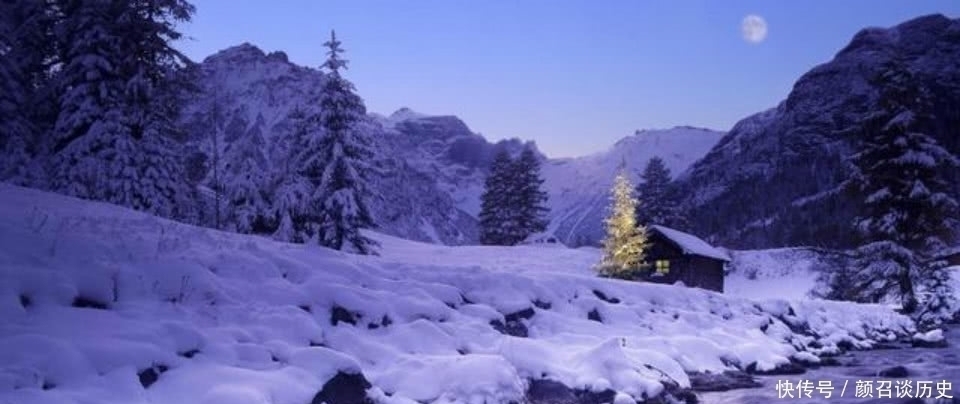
[[513, 204], [90, 106]]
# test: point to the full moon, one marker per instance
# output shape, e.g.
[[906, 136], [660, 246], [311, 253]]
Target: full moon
[[753, 28]]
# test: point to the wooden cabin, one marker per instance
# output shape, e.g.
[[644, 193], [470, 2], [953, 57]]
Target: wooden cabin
[[675, 256]]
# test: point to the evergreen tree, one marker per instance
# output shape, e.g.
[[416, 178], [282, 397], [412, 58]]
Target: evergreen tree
[[290, 190], [27, 52], [659, 202], [625, 241], [529, 209], [939, 304], [115, 137], [338, 163], [15, 128], [908, 212], [496, 216], [244, 180]]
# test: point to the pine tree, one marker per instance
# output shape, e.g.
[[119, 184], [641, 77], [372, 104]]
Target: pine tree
[[495, 203], [244, 180], [289, 189], [27, 52], [15, 128], [659, 202], [529, 210], [908, 212], [340, 165], [940, 304], [625, 242], [115, 135]]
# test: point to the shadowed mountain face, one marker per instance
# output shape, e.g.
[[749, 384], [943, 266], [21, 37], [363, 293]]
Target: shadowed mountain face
[[768, 182]]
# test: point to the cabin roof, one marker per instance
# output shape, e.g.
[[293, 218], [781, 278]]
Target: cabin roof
[[691, 244]]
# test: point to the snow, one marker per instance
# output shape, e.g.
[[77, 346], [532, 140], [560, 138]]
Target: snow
[[782, 273], [690, 244], [929, 336], [245, 319]]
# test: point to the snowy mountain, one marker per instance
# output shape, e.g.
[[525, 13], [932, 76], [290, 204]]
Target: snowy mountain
[[774, 177], [579, 187], [251, 95], [432, 167], [102, 304]]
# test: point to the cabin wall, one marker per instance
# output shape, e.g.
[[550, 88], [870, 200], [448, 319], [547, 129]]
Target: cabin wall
[[692, 270]]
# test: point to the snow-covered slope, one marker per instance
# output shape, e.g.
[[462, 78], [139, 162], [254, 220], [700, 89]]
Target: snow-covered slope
[[107, 305], [579, 187], [781, 273]]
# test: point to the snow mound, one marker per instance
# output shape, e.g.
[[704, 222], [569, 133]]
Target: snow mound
[[102, 304]]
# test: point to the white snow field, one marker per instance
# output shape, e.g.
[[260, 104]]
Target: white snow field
[[91, 295], [780, 273]]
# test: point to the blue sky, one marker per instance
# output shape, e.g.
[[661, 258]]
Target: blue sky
[[572, 75]]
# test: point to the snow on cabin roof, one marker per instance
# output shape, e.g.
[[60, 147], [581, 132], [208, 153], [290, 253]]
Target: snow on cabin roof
[[691, 244]]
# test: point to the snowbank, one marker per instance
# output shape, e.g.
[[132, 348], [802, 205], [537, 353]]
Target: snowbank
[[102, 304]]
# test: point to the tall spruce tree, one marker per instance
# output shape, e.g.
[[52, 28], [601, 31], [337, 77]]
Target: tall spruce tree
[[115, 135], [625, 242], [908, 212], [658, 202], [496, 227], [525, 186], [338, 163]]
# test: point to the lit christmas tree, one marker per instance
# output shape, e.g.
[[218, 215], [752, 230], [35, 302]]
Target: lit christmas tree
[[625, 242]]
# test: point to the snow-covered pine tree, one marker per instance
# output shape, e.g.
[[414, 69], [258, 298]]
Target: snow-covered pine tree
[[244, 180], [150, 66], [15, 128], [495, 203], [90, 116], [658, 202], [27, 52], [115, 136], [530, 210], [939, 303], [289, 189], [342, 164], [625, 242], [908, 212]]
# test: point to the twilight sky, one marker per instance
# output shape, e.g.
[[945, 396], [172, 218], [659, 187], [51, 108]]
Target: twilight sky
[[573, 75]]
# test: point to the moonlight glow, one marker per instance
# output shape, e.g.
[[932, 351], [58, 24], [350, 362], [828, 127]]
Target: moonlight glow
[[753, 28]]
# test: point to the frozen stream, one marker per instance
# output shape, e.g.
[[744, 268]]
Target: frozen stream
[[922, 364]]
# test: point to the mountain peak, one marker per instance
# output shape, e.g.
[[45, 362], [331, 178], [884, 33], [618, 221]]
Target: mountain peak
[[678, 128], [404, 114], [244, 51], [913, 35]]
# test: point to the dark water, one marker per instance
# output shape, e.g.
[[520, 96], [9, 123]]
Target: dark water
[[922, 364]]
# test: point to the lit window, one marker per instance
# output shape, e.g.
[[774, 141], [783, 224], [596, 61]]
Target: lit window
[[663, 266]]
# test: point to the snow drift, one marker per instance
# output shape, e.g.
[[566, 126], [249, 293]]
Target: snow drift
[[103, 304]]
